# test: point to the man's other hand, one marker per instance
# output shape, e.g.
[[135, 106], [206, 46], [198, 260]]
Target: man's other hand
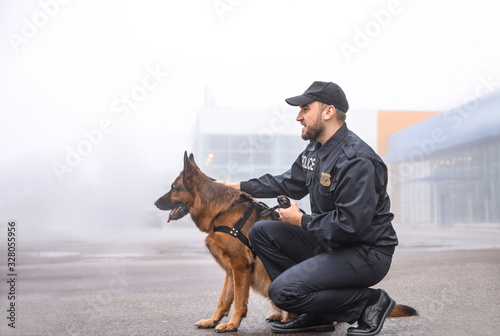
[[291, 215]]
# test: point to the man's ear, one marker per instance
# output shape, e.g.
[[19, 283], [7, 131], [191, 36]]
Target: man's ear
[[329, 112]]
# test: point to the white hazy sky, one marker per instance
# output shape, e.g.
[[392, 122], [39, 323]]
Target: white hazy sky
[[65, 66], [427, 55]]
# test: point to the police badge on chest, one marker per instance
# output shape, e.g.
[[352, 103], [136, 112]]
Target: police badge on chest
[[325, 179]]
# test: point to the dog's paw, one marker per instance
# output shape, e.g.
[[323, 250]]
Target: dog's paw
[[274, 317], [288, 317], [205, 324], [226, 327]]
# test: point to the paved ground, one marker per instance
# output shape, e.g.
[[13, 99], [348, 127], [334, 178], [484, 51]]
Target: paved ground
[[160, 282]]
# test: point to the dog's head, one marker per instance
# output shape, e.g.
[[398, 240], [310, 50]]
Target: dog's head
[[182, 193]]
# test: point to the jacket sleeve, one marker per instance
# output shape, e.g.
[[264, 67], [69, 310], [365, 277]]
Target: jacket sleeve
[[355, 199], [291, 183]]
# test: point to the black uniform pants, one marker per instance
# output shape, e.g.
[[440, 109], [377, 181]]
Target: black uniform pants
[[309, 277]]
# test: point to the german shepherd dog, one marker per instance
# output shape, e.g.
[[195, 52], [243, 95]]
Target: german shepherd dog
[[213, 207]]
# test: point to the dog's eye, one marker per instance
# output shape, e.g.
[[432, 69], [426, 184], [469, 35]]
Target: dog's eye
[[175, 187]]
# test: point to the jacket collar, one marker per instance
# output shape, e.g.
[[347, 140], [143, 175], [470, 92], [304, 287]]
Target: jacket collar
[[333, 142]]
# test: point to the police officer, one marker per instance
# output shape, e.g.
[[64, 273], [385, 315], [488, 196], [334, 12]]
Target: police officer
[[322, 264]]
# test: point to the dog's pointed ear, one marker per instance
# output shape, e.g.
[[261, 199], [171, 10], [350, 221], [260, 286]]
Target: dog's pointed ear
[[189, 164], [190, 173], [191, 158], [186, 160]]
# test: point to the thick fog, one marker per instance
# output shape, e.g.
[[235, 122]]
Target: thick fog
[[99, 100]]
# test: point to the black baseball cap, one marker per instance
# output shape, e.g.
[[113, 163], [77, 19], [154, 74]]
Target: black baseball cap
[[324, 92]]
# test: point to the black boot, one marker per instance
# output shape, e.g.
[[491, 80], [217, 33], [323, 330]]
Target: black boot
[[373, 317], [304, 323]]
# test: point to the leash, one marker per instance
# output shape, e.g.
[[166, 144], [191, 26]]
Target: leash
[[283, 202]]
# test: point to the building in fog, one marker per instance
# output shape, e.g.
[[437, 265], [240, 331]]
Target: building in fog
[[237, 144], [445, 170]]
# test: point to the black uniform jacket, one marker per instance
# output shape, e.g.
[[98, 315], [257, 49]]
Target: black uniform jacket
[[347, 184]]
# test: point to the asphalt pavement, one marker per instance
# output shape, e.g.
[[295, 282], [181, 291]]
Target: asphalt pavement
[[161, 281]]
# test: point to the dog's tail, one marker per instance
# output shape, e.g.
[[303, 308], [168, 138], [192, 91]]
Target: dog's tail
[[402, 310]]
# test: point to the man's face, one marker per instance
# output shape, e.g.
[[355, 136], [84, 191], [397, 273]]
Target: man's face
[[310, 116]]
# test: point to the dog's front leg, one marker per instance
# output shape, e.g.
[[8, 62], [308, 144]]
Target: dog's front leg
[[225, 301], [241, 276]]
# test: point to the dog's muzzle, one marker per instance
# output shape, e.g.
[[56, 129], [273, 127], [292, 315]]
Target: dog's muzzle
[[178, 210]]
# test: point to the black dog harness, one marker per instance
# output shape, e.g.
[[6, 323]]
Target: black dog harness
[[235, 231]]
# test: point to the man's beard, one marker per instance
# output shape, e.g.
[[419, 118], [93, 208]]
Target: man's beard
[[313, 131]]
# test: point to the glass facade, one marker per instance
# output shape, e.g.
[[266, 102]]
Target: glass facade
[[234, 158], [240, 157], [457, 186]]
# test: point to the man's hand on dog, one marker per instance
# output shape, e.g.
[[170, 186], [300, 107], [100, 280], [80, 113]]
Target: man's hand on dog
[[291, 215], [235, 185]]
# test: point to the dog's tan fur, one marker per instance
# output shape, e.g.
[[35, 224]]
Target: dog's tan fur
[[212, 204]]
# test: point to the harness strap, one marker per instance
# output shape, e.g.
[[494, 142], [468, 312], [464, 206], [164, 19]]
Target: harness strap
[[236, 230]]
